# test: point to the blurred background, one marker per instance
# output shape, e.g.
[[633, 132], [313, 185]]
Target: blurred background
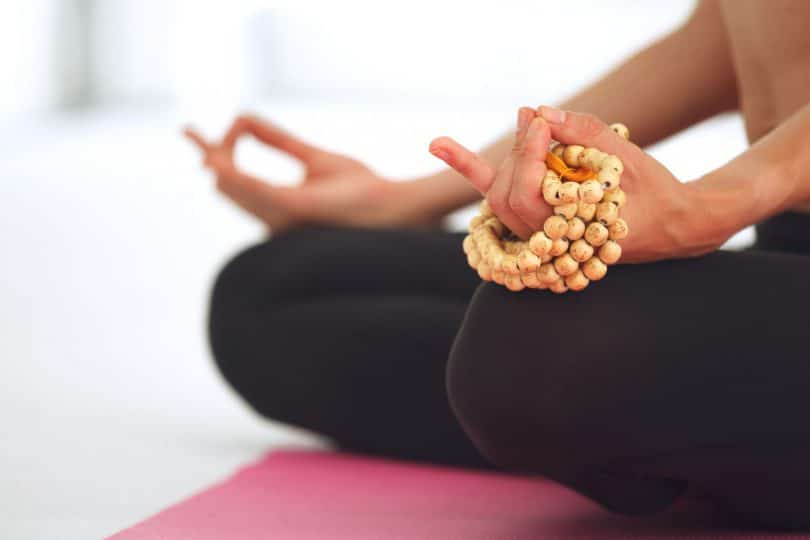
[[112, 232]]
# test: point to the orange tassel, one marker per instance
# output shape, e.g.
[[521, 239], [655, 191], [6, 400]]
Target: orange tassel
[[559, 166]]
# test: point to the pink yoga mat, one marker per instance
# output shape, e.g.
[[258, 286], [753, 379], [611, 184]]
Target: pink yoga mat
[[317, 495]]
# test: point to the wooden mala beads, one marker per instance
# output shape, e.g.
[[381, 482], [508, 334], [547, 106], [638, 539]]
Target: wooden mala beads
[[578, 241]]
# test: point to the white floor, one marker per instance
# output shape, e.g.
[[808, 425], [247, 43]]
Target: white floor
[[110, 236]]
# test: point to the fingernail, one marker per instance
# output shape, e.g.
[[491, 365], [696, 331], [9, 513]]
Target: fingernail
[[525, 117], [555, 116], [535, 125], [439, 153]]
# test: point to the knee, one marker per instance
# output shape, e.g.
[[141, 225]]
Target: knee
[[257, 278], [526, 388], [243, 317]]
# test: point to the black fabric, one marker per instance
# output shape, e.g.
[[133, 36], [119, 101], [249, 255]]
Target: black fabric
[[662, 377]]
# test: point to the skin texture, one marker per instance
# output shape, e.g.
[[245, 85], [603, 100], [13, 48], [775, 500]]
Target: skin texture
[[756, 67]]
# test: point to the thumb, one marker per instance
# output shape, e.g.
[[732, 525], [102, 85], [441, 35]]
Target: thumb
[[584, 129], [272, 135]]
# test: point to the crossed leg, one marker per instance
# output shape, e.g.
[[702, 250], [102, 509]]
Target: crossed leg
[[663, 376]]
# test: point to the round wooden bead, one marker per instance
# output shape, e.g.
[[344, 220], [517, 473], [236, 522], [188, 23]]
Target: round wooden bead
[[539, 243], [487, 247], [558, 247], [592, 158], [513, 282], [468, 244], [594, 269], [571, 154], [569, 192], [527, 261], [555, 227], [613, 163], [576, 228], [483, 233], [581, 250], [494, 224], [558, 286], [499, 276], [485, 271], [475, 222], [547, 274], [551, 193], [607, 213], [610, 252], [530, 280], [512, 247], [618, 230], [547, 257], [590, 191], [550, 177], [567, 210], [509, 264], [558, 150], [616, 196], [474, 259], [576, 281], [565, 264], [495, 258], [609, 179], [586, 211], [486, 250], [621, 130], [596, 234]]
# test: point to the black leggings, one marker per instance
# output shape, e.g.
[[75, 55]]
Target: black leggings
[[663, 376]]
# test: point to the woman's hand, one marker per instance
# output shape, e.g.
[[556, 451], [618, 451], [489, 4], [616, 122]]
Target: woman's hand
[[663, 219], [336, 189]]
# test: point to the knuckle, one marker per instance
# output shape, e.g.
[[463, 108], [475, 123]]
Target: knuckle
[[526, 151], [499, 205], [462, 163], [591, 125]]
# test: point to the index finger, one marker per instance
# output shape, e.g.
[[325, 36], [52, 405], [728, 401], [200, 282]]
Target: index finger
[[469, 164], [270, 134], [195, 137]]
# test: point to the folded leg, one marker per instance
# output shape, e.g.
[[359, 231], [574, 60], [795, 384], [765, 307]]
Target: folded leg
[[346, 332], [661, 376]]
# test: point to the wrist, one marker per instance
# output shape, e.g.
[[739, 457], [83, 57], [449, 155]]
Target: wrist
[[735, 196], [711, 218]]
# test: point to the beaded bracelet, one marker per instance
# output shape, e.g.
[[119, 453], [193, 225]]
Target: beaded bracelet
[[577, 243]]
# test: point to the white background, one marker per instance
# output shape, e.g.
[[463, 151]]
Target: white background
[[111, 233]]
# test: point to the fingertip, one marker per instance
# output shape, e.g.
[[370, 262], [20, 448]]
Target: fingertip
[[552, 114], [540, 129], [440, 147], [528, 112], [525, 116]]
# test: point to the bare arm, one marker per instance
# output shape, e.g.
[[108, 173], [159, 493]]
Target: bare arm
[[770, 177], [683, 78]]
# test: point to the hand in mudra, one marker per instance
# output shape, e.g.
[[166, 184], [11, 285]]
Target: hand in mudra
[[336, 189], [658, 209]]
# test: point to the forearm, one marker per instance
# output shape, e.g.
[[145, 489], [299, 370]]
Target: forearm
[[770, 177]]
